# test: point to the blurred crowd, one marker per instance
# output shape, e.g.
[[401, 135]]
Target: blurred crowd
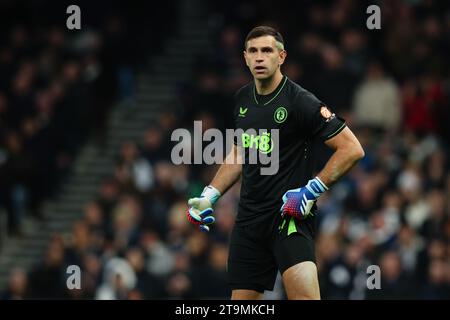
[[392, 210], [56, 87]]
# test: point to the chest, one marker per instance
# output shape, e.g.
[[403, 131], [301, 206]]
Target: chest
[[279, 116]]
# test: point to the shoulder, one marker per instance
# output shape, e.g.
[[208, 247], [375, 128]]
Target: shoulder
[[300, 96], [244, 91]]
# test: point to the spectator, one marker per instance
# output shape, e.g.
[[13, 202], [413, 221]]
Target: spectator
[[394, 283], [377, 100], [17, 287], [119, 279]]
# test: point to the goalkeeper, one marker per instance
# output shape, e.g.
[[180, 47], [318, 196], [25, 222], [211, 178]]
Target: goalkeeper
[[275, 224]]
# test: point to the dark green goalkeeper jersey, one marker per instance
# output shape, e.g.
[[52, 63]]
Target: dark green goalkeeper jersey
[[300, 118]]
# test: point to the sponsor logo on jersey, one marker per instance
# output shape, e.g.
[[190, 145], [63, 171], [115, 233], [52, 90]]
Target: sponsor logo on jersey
[[263, 142]]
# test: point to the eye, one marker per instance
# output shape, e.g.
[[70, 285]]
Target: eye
[[252, 50], [267, 50]]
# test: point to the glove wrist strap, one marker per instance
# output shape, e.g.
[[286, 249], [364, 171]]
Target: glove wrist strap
[[323, 185], [211, 193], [316, 186]]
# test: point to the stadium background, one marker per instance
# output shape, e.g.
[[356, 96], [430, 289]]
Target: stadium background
[[85, 124]]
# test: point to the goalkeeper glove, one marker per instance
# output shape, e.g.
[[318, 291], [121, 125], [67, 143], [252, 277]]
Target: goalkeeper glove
[[300, 203], [200, 209]]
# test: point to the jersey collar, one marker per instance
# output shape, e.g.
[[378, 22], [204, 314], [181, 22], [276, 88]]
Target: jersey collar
[[275, 93]]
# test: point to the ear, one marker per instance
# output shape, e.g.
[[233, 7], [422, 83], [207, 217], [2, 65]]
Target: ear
[[245, 57], [282, 56]]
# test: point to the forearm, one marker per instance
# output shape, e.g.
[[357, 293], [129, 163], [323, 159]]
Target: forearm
[[228, 173], [226, 177], [342, 160], [201, 208]]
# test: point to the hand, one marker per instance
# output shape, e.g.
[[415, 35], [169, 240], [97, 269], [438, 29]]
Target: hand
[[200, 212], [300, 203], [200, 209]]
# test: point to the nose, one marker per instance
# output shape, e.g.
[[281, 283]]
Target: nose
[[259, 59]]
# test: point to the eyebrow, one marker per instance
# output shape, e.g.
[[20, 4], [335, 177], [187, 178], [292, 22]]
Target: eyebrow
[[262, 48]]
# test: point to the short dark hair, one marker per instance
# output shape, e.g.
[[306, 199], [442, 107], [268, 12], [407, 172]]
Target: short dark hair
[[260, 31]]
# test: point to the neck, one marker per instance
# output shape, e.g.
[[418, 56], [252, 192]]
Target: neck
[[267, 86]]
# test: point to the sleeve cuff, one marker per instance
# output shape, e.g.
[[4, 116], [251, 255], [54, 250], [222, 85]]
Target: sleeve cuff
[[334, 133]]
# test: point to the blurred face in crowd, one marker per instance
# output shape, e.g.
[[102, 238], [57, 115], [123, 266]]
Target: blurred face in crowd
[[109, 190], [264, 56], [153, 138], [391, 266], [55, 254], [136, 258], [129, 151], [93, 214], [374, 71], [18, 282], [437, 271]]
